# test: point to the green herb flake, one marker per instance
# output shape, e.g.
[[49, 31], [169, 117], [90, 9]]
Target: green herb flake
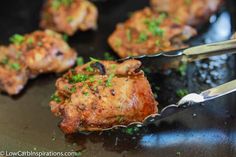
[[91, 79], [142, 37], [78, 154], [15, 66], [79, 78], [181, 92], [131, 131], [128, 35], [108, 56], [99, 82], [118, 42], [17, 39], [57, 3], [187, 2], [55, 98], [182, 69], [65, 37], [157, 42], [80, 61], [89, 69], [39, 43], [109, 80], [154, 25], [4, 61], [73, 89], [113, 66], [85, 93], [30, 41]]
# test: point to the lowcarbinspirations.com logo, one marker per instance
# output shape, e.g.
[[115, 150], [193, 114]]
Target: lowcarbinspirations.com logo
[[36, 154]]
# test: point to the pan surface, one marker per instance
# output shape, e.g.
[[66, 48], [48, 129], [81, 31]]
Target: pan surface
[[205, 130]]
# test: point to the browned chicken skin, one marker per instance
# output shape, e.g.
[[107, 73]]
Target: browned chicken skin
[[147, 32], [68, 16], [31, 55], [191, 12], [46, 51], [101, 94], [13, 71]]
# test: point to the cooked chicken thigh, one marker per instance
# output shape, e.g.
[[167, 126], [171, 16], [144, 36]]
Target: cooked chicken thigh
[[13, 71], [68, 16], [147, 32], [30, 55], [102, 94], [191, 12], [46, 51]]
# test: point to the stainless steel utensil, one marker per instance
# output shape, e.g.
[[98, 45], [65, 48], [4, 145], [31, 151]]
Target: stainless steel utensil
[[189, 54], [209, 94]]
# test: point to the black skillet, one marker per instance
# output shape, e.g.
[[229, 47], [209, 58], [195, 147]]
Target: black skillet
[[207, 130]]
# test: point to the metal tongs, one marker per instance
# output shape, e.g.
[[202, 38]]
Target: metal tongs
[[163, 59], [185, 102]]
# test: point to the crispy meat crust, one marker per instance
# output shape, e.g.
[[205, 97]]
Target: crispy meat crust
[[113, 94], [13, 71], [68, 18], [191, 12], [38, 52], [148, 32], [47, 52]]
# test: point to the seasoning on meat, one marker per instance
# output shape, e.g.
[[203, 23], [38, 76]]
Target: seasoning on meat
[[68, 16], [148, 32], [30, 55], [191, 12], [101, 96]]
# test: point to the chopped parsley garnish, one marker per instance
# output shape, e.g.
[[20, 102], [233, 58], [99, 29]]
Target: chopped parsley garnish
[[113, 66], [80, 61], [4, 61], [85, 93], [65, 37], [79, 78], [73, 89], [91, 79], [57, 3], [118, 42], [128, 34], [15, 66], [108, 82], [181, 92], [39, 43], [17, 39], [188, 2], [56, 98], [182, 69], [157, 42], [108, 56], [89, 69], [154, 25], [131, 131], [142, 37], [30, 41]]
